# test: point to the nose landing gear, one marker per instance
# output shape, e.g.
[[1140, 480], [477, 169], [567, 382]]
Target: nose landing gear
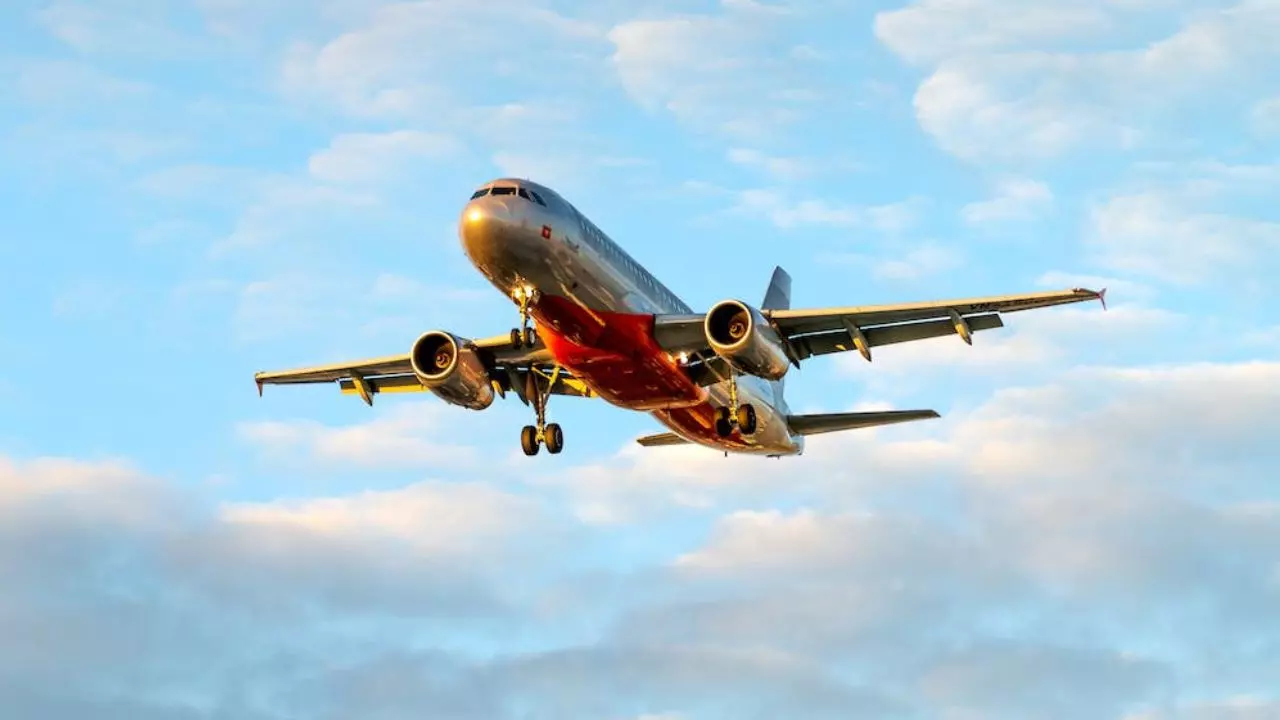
[[742, 417], [532, 437], [524, 336]]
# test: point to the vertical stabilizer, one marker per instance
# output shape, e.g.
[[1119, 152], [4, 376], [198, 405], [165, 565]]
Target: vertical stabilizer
[[778, 296]]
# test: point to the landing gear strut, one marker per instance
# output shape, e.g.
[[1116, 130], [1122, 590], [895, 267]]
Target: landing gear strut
[[742, 417], [533, 436], [524, 336]]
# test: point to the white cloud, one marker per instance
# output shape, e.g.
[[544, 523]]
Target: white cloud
[[386, 307], [117, 27], [1058, 501], [895, 264], [919, 263], [1244, 707], [1157, 234], [385, 68], [998, 95], [1042, 537], [716, 73], [404, 436], [374, 157], [66, 82], [786, 213], [781, 168], [438, 519], [272, 207], [932, 30], [1015, 199]]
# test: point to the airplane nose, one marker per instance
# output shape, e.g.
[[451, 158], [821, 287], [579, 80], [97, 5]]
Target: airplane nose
[[484, 223]]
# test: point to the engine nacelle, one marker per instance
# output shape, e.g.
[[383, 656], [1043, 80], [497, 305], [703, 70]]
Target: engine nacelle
[[453, 371], [742, 336]]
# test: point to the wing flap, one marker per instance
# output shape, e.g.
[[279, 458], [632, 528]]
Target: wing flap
[[679, 333], [841, 341], [389, 384], [835, 422], [662, 440]]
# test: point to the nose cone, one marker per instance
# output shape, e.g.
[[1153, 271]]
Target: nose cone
[[484, 225]]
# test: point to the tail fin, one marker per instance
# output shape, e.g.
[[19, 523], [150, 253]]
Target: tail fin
[[778, 296]]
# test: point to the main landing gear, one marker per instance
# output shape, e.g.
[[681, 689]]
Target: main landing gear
[[742, 417], [524, 336], [538, 390]]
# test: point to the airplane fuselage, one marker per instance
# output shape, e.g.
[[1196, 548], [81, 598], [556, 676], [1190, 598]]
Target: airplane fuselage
[[594, 311]]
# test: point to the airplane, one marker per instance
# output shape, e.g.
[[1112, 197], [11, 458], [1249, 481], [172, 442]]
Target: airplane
[[595, 323]]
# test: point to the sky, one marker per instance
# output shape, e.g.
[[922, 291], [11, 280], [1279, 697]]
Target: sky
[[195, 190]]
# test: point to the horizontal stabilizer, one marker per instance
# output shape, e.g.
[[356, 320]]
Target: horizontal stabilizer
[[661, 439], [835, 422]]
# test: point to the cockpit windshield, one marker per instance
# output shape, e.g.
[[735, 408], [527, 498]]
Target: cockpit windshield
[[523, 192]]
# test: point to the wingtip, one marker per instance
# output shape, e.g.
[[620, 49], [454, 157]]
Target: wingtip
[[259, 384], [1102, 298]]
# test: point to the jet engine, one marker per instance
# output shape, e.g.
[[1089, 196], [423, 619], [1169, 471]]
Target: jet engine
[[448, 367], [742, 336]]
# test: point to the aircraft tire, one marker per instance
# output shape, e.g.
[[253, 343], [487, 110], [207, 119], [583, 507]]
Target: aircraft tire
[[747, 419], [529, 440], [724, 428], [555, 439]]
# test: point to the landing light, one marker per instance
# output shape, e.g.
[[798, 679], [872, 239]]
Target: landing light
[[474, 214]]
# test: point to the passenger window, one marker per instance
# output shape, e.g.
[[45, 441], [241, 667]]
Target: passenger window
[[480, 193], [504, 191]]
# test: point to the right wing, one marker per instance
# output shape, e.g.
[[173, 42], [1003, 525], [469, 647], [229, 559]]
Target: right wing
[[508, 367], [827, 330]]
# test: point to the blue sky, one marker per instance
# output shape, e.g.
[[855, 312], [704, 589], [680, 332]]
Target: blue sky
[[193, 191]]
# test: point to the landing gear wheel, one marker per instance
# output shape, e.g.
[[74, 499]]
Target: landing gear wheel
[[724, 428], [746, 419], [555, 438], [538, 389], [529, 440], [524, 336]]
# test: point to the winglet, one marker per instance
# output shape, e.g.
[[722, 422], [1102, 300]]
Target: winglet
[[259, 383], [1102, 297]]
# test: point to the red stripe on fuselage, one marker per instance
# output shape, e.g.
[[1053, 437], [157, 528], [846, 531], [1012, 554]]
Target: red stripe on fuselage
[[616, 356]]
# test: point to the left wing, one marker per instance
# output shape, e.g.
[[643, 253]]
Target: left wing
[[508, 367], [827, 330]]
